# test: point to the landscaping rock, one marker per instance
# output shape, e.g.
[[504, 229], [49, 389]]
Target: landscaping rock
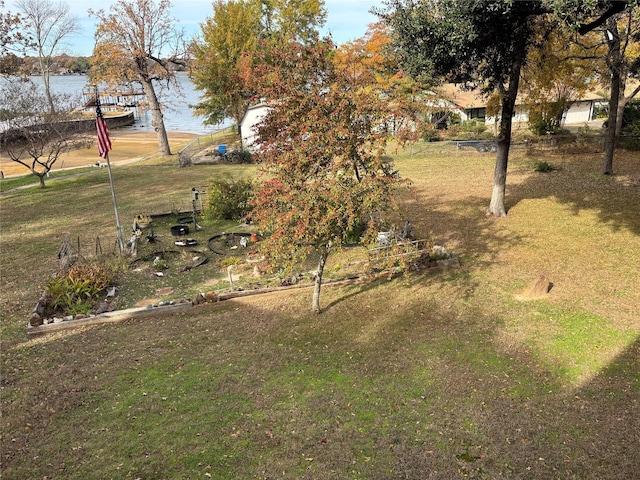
[[35, 320], [211, 297], [37, 314], [539, 288], [199, 298], [102, 307]]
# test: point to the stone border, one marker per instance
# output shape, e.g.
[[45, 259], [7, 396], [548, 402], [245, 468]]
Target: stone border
[[150, 310], [205, 298], [108, 317]]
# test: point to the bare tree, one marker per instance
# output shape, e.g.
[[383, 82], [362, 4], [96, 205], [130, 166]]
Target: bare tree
[[136, 43], [32, 137], [48, 24]]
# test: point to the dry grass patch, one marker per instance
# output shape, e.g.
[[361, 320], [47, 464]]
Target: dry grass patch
[[126, 146]]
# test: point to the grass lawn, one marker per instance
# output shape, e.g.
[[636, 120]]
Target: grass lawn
[[442, 374]]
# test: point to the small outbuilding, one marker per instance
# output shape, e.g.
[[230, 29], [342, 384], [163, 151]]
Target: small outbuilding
[[248, 127]]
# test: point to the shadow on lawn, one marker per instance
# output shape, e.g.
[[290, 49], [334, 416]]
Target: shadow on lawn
[[431, 396], [460, 225], [501, 413], [553, 432], [578, 184], [419, 390]]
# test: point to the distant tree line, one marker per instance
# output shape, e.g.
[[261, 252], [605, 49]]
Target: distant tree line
[[62, 64]]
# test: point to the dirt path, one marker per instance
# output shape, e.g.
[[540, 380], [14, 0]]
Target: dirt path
[[127, 146]]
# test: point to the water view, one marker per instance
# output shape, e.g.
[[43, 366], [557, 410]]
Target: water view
[[178, 116]]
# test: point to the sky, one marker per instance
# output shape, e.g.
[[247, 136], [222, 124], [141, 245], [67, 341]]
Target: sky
[[346, 19]]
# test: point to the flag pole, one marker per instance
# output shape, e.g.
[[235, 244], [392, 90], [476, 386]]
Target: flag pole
[[104, 145], [115, 206]]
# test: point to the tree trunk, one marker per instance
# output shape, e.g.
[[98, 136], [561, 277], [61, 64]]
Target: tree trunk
[[612, 126], [157, 120], [45, 73], [614, 62], [496, 206], [315, 304], [622, 102], [41, 178]]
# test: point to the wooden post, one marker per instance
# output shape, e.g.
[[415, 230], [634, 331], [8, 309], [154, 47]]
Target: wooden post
[[230, 275]]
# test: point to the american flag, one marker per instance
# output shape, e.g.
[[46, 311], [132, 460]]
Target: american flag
[[104, 142]]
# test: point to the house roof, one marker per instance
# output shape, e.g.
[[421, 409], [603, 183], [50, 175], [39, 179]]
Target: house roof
[[468, 99], [463, 98]]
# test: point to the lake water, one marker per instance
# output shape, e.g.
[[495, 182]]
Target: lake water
[[178, 116]]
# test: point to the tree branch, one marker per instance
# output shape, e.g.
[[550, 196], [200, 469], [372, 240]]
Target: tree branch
[[634, 93], [616, 7]]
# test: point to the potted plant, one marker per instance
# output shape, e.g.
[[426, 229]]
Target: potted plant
[[143, 221]]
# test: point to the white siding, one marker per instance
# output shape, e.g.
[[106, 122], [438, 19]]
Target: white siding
[[251, 120], [580, 112]]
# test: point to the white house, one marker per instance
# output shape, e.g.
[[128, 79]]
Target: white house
[[248, 127], [472, 105]]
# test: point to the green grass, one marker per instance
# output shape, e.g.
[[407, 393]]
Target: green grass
[[576, 345], [440, 374], [10, 183]]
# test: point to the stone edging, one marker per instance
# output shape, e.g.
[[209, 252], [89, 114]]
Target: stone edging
[[150, 310], [108, 317], [141, 312]]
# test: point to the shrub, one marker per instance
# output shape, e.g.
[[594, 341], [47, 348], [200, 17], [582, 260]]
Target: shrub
[[247, 156], [228, 199], [453, 131], [430, 133], [473, 126], [601, 111], [454, 118], [545, 117], [631, 123], [228, 261], [544, 167], [238, 156], [631, 113], [632, 129], [77, 289], [630, 138], [541, 124]]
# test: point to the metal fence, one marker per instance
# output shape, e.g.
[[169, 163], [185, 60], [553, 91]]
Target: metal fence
[[628, 142], [197, 145]]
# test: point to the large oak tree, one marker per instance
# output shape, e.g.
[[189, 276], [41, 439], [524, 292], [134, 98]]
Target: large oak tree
[[484, 44], [480, 44], [620, 34], [136, 43]]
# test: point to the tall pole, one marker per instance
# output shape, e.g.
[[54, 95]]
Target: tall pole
[[104, 145], [115, 206]]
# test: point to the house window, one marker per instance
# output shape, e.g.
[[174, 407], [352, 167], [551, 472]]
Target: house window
[[480, 113]]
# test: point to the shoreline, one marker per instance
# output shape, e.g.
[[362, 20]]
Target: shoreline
[[126, 147]]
